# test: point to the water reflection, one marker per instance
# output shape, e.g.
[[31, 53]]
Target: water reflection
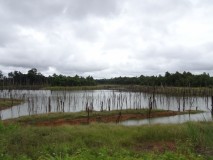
[[44, 101], [171, 119]]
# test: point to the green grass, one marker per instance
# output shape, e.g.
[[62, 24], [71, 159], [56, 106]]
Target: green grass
[[96, 87], [168, 90], [33, 119], [192, 140], [7, 103], [176, 91]]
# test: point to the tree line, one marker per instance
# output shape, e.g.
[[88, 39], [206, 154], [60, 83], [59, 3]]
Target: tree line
[[185, 79], [33, 77]]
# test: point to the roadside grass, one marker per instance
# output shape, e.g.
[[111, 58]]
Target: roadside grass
[[191, 140]]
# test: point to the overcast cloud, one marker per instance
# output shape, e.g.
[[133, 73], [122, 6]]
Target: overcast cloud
[[106, 38]]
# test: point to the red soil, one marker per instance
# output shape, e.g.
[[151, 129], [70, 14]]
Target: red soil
[[104, 119], [161, 146]]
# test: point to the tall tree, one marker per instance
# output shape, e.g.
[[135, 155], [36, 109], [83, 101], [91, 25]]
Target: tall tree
[[1, 74], [32, 75]]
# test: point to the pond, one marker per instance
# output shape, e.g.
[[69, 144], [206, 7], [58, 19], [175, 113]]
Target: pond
[[206, 116], [45, 101]]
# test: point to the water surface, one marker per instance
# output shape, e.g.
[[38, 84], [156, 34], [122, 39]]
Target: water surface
[[177, 119], [45, 101]]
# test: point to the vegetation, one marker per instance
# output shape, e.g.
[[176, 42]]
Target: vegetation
[[185, 79], [34, 78], [176, 91], [191, 140], [109, 116], [7, 103], [96, 87]]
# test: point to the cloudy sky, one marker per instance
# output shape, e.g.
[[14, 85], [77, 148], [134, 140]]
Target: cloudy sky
[[106, 38]]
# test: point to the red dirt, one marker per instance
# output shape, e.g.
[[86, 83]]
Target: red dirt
[[104, 119], [161, 146]]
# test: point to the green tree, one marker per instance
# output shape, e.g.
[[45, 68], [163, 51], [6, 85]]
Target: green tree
[[11, 77], [1, 74], [32, 75]]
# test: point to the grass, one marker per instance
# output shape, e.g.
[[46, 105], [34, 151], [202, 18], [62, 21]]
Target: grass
[[7, 103], [96, 87], [175, 91], [192, 140], [50, 117], [168, 90]]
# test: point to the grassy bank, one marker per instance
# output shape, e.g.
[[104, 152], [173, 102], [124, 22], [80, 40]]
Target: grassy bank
[[59, 88], [94, 116], [96, 87], [191, 140], [176, 91], [7, 103]]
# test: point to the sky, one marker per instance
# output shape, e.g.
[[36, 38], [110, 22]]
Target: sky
[[106, 38]]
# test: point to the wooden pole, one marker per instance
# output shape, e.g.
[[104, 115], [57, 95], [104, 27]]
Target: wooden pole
[[49, 106]]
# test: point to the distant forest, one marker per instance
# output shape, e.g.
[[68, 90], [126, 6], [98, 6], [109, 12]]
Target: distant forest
[[33, 77]]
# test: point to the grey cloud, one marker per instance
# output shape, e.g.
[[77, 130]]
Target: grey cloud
[[6, 37], [106, 38], [86, 31], [40, 10], [80, 69], [156, 20], [156, 7], [178, 58], [80, 8]]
